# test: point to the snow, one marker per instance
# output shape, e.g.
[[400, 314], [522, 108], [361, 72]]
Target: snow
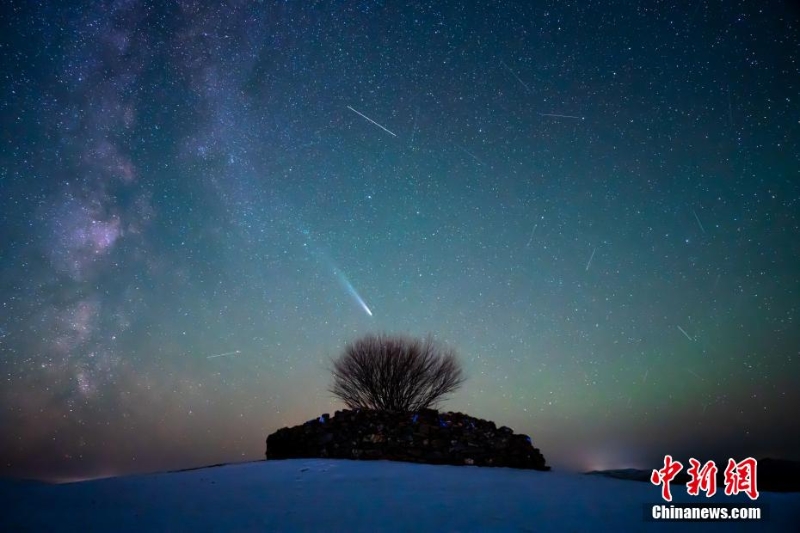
[[341, 495]]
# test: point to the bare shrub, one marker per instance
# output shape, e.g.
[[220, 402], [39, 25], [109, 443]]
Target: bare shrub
[[395, 373]]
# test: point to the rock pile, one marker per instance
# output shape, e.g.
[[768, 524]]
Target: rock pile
[[424, 437]]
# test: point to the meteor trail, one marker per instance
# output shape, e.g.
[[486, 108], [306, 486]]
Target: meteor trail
[[473, 156], [236, 352], [414, 130], [698, 221], [353, 291], [366, 117], [560, 116], [515, 75], [590, 259], [686, 334], [532, 232]]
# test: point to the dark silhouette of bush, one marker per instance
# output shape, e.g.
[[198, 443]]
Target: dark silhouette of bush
[[395, 373]]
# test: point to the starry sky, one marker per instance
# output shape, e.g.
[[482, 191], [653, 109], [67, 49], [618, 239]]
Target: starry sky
[[597, 204]]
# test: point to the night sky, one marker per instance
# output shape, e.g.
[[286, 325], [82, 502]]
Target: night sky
[[597, 204]]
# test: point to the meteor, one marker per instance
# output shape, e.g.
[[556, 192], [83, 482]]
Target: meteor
[[590, 259], [532, 232], [353, 292], [366, 117], [685, 334], [560, 116], [697, 218], [235, 352], [515, 75]]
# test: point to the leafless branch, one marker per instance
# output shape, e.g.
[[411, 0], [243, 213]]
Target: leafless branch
[[395, 373]]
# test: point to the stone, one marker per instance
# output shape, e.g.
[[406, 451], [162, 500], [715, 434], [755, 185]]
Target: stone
[[436, 456], [423, 437], [376, 437]]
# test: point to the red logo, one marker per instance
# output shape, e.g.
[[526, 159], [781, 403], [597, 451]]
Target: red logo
[[739, 477], [704, 478], [664, 476]]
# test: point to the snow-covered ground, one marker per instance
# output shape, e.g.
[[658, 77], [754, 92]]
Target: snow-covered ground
[[343, 496]]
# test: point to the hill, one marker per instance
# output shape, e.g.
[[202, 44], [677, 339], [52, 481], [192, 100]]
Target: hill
[[344, 495]]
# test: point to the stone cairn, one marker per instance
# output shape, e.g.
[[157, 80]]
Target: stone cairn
[[424, 437]]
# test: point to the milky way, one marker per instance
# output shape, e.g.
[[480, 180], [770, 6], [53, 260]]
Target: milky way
[[597, 205]]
